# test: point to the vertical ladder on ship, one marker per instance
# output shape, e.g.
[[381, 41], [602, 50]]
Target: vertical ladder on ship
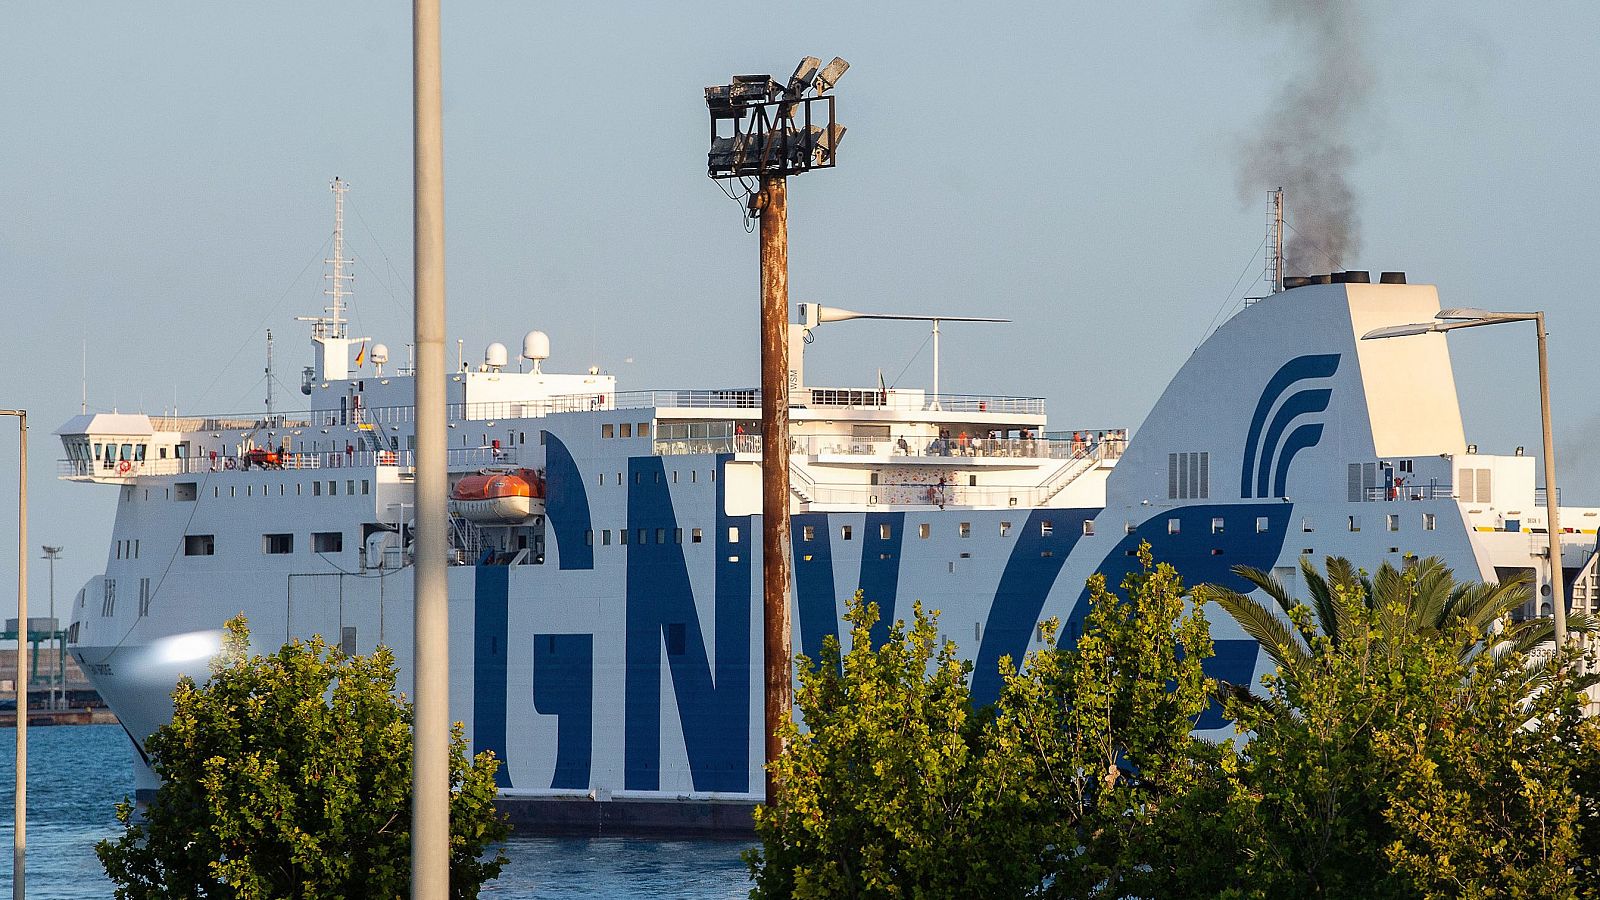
[[466, 541]]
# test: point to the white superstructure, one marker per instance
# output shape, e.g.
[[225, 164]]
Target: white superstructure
[[607, 644]]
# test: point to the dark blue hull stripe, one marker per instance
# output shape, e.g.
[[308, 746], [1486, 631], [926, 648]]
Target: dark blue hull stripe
[[567, 505], [880, 568], [489, 632], [816, 605], [1035, 562], [563, 686]]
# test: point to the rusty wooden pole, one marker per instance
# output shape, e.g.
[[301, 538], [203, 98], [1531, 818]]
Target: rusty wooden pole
[[775, 548]]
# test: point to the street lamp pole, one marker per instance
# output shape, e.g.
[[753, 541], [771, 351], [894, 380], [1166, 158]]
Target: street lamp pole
[[1552, 508], [1452, 319], [52, 554], [19, 834], [430, 799]]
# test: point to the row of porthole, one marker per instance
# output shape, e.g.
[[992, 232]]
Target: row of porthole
[[317, 490], [638, 477], [642, 536]]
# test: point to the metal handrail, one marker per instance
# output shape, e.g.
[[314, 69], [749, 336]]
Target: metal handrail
[[730, 398]]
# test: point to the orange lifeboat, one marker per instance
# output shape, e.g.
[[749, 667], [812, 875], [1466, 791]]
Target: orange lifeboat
[[499, 498]]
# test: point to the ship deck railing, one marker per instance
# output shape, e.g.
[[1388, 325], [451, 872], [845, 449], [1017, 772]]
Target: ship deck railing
[[457, 459], [732, 398], [704, 438], [1431, 491]]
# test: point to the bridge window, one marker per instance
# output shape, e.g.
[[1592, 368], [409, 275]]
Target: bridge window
[[1355, 523], [588, 537], [607, 430], [199, 545], [923, 530], [626, 430], [605, 538], [273, 544], [695, 536], [1427, 521], [1088, 527], [844, 532], [661, 535], [316, 489], [327, 541], [1394, 522], [641, 537], [1174, 526], [642, 429], [1217, 526], [1046, 528], [965, 529], [808, 532], [885, 531], [622, 536]]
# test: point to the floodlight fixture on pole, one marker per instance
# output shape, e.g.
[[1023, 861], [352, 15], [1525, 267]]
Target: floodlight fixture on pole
[[1454, 318], [814, 314], [767, 131], [19, 833]]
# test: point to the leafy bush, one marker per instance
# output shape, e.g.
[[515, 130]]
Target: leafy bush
[[289, 775]]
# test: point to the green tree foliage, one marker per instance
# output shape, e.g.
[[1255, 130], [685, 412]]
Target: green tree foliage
[[289, 775], [894, 788], [1406, 748]]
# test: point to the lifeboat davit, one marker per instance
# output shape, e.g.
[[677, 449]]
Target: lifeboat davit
[[499, 498]]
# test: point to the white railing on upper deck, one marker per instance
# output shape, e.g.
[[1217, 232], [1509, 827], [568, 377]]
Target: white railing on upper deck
[[457, 459], [732, 398], [898, 447]]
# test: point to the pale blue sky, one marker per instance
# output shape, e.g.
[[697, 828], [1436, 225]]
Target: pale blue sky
[[164, 169]]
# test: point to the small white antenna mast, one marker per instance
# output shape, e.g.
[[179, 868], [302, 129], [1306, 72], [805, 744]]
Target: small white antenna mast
[[83, 400], [269, 372], [1275, 262], [333, 324]]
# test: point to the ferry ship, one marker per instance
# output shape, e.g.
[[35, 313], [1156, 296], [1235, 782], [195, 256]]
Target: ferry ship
[[604, 579]]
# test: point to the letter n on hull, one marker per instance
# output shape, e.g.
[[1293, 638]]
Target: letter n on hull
[[712, 694]]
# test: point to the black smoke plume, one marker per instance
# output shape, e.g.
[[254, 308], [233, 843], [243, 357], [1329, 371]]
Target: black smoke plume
[[1306, 142]]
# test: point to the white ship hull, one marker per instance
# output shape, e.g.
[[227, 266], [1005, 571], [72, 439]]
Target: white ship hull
[[612, 651]]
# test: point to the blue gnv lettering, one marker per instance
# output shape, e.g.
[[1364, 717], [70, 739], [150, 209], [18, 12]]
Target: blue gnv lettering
[[713, 698]]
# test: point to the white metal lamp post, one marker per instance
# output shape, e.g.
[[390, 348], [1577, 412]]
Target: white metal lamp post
[[1459, 317], [52, 554]]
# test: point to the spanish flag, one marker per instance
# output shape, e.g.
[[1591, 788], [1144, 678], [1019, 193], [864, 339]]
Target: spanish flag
[[361, 355]]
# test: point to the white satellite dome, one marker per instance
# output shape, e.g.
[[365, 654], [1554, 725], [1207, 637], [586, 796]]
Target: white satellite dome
[[536, 345], [380, 353], [495, 355]]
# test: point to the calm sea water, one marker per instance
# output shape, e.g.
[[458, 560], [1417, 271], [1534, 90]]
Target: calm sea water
[[76, 774]]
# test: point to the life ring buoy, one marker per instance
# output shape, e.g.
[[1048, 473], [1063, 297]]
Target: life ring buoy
[[124, 467], [228, 463]]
